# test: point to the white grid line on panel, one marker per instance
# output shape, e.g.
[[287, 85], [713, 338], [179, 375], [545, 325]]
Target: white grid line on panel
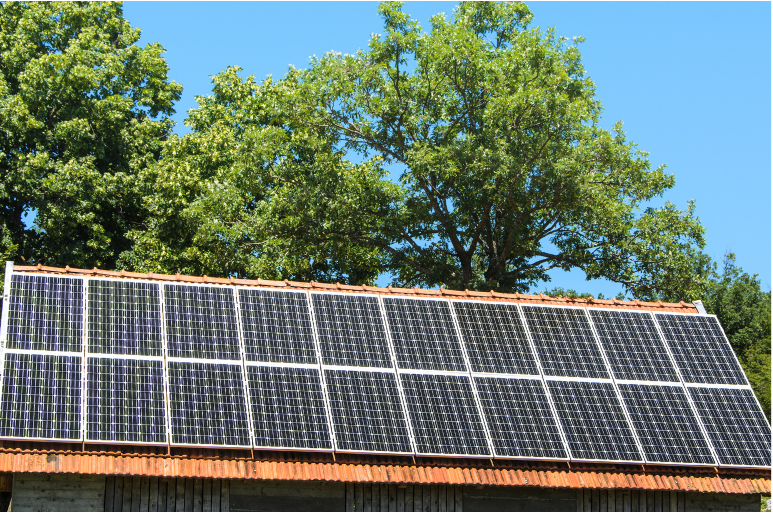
[[309, 366], [718, 385], [708, 317], [45, 353], [503, 375], [202, 285], [545, 385], [245, 388], [162, 324], [119, 357], [6, 303], [530, 333], [323, 382], [84, 376], [355, 369], [165, 369], [574, 378], [433, 373], [39, 276], [206, 361], [42, 354], [628, 310], [481, 414], [454, 303], [694, 408], [272, 291], [615, 387], [408, 297], [400, 389], [126, 356], [649, 382]]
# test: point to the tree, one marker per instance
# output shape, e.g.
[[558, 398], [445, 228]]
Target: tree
[[82, 112], [743, 309], [235, 196], [506, 173]]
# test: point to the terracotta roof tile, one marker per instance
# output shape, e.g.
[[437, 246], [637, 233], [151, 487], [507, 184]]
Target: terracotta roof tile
[[681, 307]]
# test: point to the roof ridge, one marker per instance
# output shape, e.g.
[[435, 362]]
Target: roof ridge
[[442, 292]]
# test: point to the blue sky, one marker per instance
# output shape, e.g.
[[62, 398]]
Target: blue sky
[[690, 80]]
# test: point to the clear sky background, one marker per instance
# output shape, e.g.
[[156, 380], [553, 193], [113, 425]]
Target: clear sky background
[[690, 80]]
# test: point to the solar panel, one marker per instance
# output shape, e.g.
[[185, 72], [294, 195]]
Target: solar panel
[[564, 341], [519, 418], [201, 322], [124, 318], [125, 400], [367, 412], [593, 421], [736, 426], [45, 313], [665, 424], [41, 397], [700, 349], [495, 338], [207, 404], [277, 326], [288, 408], [633, 346], [444, 415], [351, 330], [424, 334]]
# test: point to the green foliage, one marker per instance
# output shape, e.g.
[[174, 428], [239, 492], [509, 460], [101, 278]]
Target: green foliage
[[570, 293], [506, 172], [246, 194], [83, 111], [743, 309]]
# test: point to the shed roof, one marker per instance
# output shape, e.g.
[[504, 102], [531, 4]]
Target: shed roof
[[125, 460]]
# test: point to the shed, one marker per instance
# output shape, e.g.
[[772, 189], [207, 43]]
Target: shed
[[48, 474]]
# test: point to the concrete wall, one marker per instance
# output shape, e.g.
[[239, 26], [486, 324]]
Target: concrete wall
[[33, 492]]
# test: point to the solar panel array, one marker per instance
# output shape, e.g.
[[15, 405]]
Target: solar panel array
[[123, 361]]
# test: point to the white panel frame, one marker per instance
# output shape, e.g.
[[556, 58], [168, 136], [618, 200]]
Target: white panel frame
[[543, 378], [245, 386], [516, 306], [408, 297], [383, 321], [325, 367], [628, 310], [241, 328], [609, 380], [87, 354], [54, 354], [9, 274], [283, 365], [203, 285], [709, 385], [205, 361]]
